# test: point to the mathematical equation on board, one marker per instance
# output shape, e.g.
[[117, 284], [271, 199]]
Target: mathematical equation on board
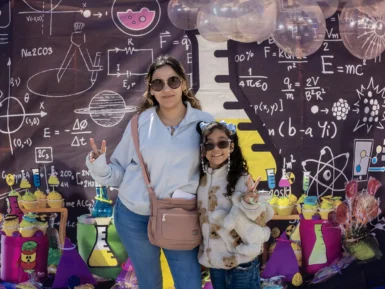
[[286, 80]]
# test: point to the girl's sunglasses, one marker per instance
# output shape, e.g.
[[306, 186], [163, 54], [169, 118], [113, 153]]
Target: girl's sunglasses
[[158, 84], [223, 144]]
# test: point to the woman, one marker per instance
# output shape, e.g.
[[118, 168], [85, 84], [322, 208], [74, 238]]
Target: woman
[[169, 144]]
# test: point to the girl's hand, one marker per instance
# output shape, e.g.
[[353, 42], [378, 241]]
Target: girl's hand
[[251, 196], [95, 152]]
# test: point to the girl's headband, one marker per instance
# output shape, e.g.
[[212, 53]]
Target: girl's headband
[[231, 127]]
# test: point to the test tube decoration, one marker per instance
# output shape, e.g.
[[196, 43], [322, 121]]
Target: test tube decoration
[[305, 182], [36, 178], [270, 178]]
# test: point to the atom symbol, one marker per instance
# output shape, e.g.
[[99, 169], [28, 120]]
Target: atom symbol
[[369, 107], [327, 173]]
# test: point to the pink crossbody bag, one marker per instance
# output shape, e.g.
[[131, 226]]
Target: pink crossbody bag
[[174, 223]]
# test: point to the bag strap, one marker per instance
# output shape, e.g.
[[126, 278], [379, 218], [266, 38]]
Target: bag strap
[[135, 136]]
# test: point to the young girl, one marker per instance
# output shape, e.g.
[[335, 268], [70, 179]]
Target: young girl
[[225, 179]]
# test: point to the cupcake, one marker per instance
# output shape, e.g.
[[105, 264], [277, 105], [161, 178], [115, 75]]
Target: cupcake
[[11, 224], [13, 193], [55, 200], [29, 201], [292, 198], [41, 198], [27, 226], [309, 207], [284, 206], [273, 203], [41, 224], [326, 206]]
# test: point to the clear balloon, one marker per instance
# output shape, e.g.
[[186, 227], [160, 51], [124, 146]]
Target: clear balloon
[[256, 19], [299, 29], [370, 7], [223, 17], [182, 16], [207, 29], [244, 21], [195, 3], [363, 35], [328, 7]]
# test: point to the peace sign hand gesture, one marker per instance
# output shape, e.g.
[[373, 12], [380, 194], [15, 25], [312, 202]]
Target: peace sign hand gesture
[[251, 196], [95, 153]]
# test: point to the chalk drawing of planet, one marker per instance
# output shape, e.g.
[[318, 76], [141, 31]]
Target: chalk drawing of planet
[[107, 108]]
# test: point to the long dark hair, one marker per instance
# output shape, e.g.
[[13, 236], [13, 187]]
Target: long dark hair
[[238, 164], [187, 95]]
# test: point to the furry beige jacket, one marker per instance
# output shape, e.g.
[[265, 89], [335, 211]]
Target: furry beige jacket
[[233, 230]]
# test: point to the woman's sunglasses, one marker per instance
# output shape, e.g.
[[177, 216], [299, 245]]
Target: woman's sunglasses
[[223, 144], [158, 84]]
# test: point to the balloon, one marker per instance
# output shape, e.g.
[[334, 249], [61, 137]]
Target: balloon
[[246, 21], [299, 29], [196, 3], [223, 17], [182, 16], [362, 35], [328, 7], [256, 19], [370, 7], [207, 29]]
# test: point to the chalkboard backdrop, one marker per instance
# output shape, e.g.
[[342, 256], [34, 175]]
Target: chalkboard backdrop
[[66, 63]]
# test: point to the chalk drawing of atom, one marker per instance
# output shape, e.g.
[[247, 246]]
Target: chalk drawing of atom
[[327, 173]]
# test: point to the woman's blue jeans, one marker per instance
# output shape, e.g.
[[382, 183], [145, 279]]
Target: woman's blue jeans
[[132, 230]]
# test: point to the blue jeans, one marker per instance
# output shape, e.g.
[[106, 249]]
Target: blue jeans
[[145, 257], [245, 276]]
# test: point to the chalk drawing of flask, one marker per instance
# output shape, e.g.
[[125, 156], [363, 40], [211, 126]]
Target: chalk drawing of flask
[[224, 99], [136, 18]]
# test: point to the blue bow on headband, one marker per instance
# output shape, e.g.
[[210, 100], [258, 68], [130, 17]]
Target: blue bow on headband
[[231, 127]]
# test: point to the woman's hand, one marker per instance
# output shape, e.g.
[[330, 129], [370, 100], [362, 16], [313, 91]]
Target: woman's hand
[[251, 196], [95, 152]]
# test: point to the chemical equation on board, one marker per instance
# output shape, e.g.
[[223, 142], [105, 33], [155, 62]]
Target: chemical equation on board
[[268, 108], [324, 129], [78, 130]]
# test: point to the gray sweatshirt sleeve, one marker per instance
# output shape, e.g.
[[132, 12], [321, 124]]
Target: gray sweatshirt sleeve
[[112, 174]]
